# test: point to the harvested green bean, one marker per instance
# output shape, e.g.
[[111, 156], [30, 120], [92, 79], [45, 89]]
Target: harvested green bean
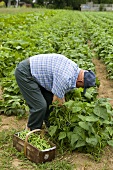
[[35, 140]]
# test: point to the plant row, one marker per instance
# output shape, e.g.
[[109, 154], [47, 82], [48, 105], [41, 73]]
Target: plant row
[[100, 31], [24, 35]]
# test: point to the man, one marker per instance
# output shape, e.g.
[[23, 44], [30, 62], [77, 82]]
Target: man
[[46, 78]]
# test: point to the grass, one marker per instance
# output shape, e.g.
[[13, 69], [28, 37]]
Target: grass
[[11, 159]]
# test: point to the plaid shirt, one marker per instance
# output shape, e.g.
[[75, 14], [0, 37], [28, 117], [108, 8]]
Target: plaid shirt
[[54, 72]]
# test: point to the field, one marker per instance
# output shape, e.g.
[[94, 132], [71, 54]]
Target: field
[[84, 37]]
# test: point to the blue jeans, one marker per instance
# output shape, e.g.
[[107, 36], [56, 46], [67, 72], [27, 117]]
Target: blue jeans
[[37, 98]]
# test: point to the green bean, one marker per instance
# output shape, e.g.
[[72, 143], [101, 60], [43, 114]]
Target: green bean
[[35, 140]]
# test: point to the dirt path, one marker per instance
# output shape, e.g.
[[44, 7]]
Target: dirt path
[[106, 86]]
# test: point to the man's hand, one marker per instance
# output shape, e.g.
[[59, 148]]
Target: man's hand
[[60, 101]]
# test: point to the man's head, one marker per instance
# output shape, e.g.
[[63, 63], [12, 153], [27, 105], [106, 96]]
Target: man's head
[[86, 79], [89, 79]]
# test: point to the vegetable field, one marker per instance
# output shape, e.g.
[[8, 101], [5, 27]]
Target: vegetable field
[[84, 124]]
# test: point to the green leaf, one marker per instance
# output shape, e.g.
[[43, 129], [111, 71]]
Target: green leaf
[[69, 104], [18, 47], [88, 95], [83, 118], [105, 135], [69, 135], [74, 118], [76, 109], [52, 130], [101, 112], [74, 138], [62, 135], [110, 142], [93, 141], [84, 125], [80, 131], [91, 118], [80, 143], [108, 122], [110, 130]]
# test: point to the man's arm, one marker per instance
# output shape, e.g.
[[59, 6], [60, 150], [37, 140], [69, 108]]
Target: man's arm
[[60, 101]]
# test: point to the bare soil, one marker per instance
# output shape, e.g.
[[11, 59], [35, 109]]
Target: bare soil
[[80, 160], [106, 86]]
